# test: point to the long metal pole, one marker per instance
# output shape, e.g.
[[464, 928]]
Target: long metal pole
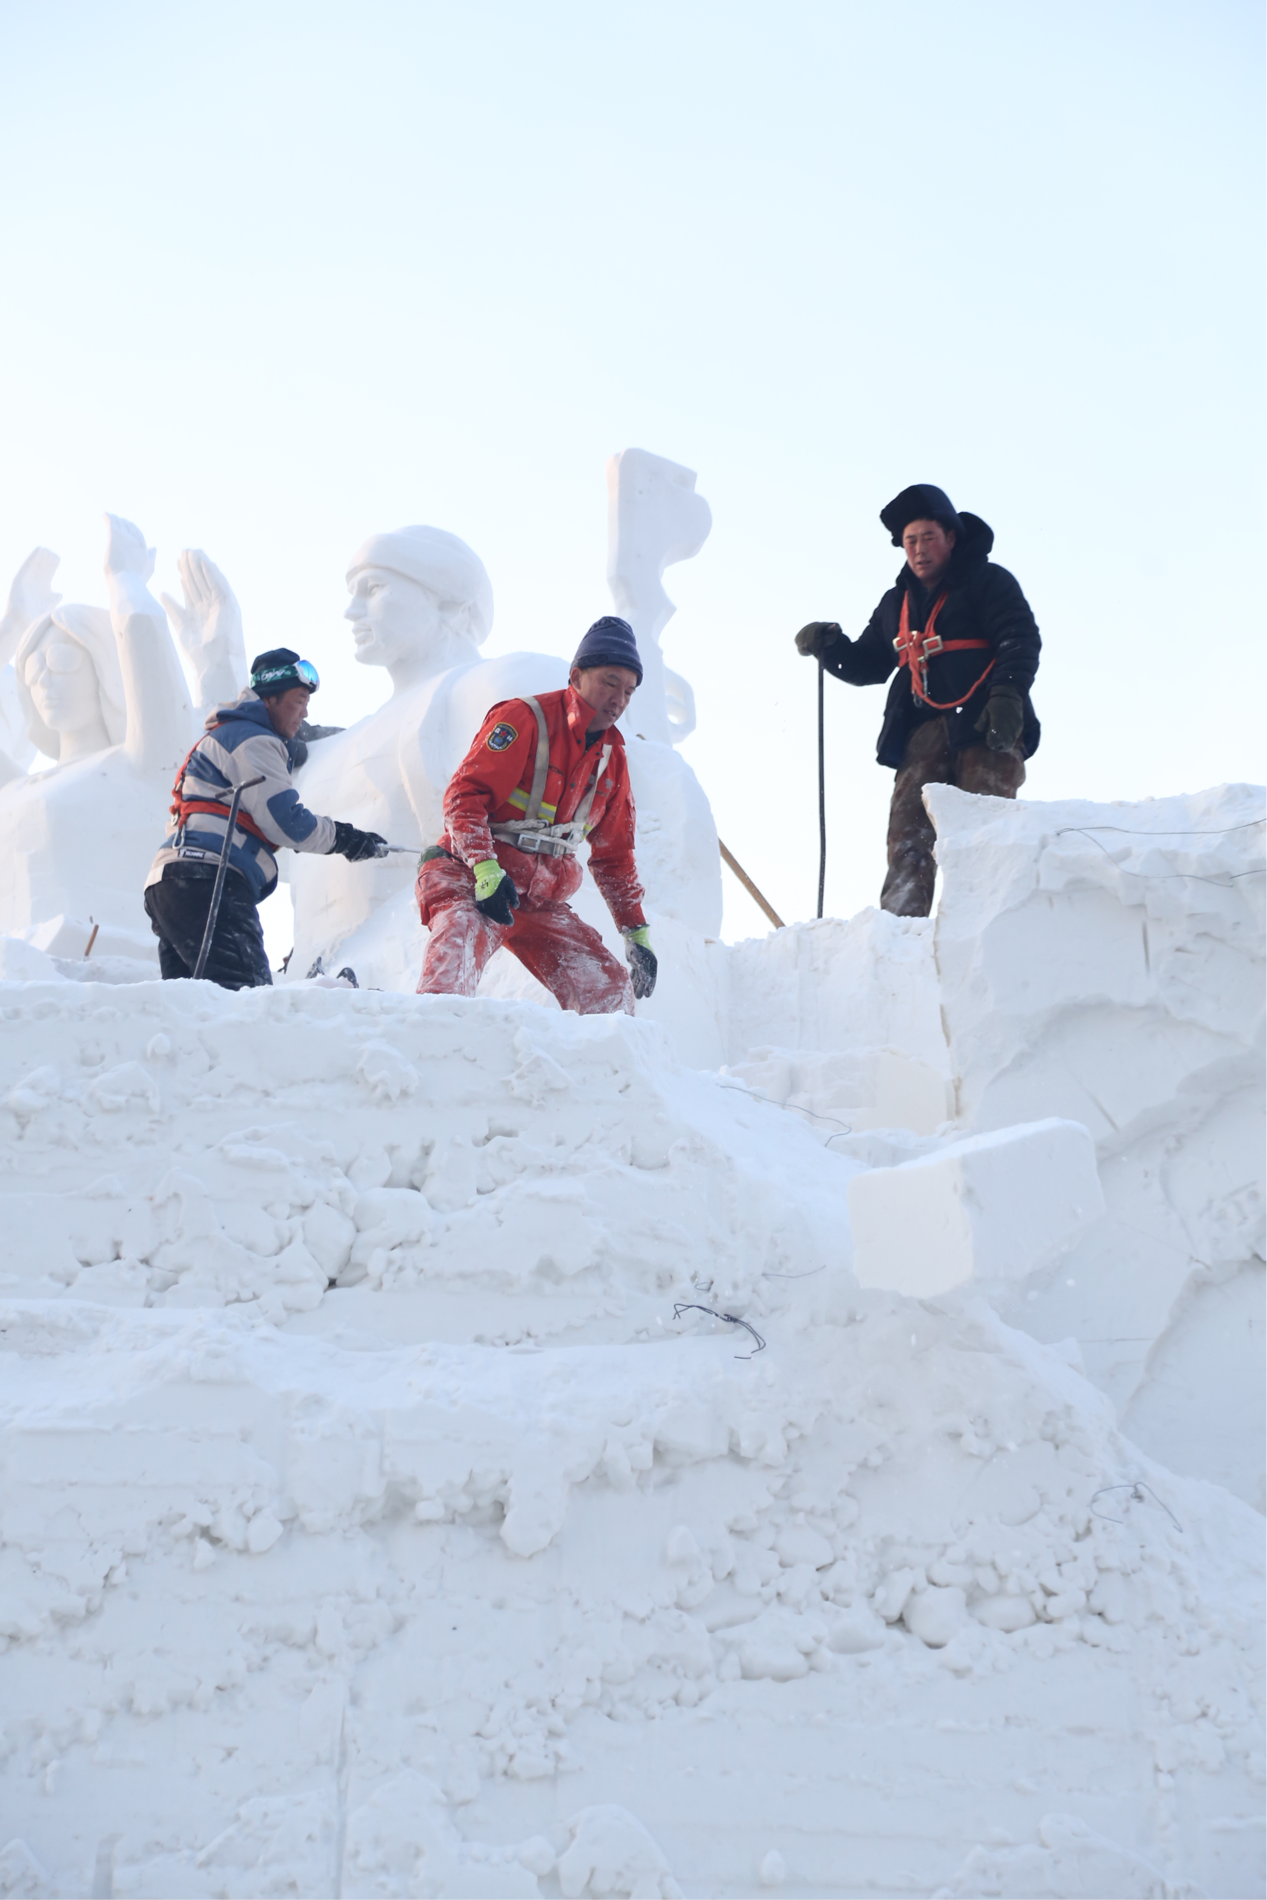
[[217, 889], [822, 797]]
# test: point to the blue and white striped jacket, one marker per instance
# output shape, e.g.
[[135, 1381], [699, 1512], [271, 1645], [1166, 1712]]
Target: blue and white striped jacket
[[240, 744]]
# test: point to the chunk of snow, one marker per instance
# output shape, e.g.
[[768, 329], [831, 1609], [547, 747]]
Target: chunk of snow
[[991, 1207]]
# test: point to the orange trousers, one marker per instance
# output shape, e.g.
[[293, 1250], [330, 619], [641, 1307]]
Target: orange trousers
[[547, 937]]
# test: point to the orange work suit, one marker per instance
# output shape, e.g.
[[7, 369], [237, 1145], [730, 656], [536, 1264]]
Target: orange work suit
[[492, 786]]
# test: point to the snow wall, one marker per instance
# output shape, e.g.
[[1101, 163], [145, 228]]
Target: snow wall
[[453, 1448]]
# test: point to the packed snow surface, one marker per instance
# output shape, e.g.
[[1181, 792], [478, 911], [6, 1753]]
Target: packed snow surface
[[448, 1449]]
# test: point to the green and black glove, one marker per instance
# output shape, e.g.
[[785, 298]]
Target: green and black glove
[[814, 639], [1003, 720], [495, 893], [641, 959]]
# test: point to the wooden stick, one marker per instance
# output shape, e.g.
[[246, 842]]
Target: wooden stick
[[750, 887], [91, 940]]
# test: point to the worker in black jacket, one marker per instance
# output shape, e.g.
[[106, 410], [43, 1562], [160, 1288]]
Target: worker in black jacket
[[960, 633]]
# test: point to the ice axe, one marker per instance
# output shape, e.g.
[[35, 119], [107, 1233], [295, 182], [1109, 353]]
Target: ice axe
[[217, 889], [385, 850]]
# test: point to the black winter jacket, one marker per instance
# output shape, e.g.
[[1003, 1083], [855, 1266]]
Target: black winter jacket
[[983, 602]]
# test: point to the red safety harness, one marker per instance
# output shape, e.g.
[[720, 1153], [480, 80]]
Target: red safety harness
[[183, 808], [916, 649]]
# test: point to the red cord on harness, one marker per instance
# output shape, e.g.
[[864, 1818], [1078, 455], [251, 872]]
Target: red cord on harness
[[914, 650]]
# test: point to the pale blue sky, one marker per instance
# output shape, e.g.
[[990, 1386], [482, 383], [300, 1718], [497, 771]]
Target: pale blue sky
[[279, 275]]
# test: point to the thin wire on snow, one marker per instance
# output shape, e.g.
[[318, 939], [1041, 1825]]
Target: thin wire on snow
[[1137, 1488], [731, 1319], [844, 1128], [1164, 877]]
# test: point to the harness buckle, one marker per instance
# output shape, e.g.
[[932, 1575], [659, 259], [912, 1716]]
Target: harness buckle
[[933, 643]]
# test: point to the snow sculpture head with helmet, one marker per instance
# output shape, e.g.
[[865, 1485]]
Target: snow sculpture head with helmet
[[421, 603]]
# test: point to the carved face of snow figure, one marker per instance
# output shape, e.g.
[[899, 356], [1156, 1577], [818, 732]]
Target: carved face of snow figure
[[421, 603], [69, 683], [393, 619], [62, 682]]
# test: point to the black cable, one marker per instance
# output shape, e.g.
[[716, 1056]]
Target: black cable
[[822, 796], [731, 1319], [1137, 1488]]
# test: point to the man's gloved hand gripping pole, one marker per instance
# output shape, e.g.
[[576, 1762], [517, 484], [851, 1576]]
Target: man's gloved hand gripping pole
[[813, 640]]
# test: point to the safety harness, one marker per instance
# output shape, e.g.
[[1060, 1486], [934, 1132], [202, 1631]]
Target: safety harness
[[914, 650], [182, 808], [534, 833]]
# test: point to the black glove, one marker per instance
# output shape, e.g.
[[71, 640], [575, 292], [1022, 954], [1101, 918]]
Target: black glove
[[354, 845], [641, 959], [816, 637], [1003, 720], [496, 904]]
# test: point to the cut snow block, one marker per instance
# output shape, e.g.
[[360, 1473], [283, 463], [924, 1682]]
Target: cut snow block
[[993, 1207]]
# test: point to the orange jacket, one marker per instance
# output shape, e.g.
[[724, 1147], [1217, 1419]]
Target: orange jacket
[[494, 780]]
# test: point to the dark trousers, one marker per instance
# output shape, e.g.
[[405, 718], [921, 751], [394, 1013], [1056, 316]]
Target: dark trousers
[[178, 906], [931, 760]]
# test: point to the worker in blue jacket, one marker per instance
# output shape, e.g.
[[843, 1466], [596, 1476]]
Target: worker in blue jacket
[[255, 736]]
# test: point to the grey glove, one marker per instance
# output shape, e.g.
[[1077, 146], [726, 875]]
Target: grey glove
[[1003, 720], [816, 637]]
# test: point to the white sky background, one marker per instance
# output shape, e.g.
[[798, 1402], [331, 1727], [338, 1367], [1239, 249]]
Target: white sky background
[[278, 276]]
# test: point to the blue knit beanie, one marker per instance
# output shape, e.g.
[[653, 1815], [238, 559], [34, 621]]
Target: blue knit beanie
[[609, 642]]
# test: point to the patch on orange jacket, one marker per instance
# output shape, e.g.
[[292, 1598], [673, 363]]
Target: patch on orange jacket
[[502, 737]]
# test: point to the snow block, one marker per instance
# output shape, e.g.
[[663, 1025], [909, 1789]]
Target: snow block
[[993, 1207]]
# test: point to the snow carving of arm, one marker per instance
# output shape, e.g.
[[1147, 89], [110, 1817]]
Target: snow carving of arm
[[208, 630], [654, 518], [31, 596], [159, 715], [679, 702]]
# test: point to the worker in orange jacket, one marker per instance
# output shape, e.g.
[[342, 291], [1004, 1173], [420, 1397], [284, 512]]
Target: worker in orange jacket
[[543, 775]]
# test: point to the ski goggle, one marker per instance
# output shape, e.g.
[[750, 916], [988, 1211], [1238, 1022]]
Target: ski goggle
[[294, 673]]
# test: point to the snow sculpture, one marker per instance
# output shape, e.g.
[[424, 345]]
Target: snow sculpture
[[208, 629], [30, 597], [654, 518], [102, 694], [422, 606]]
